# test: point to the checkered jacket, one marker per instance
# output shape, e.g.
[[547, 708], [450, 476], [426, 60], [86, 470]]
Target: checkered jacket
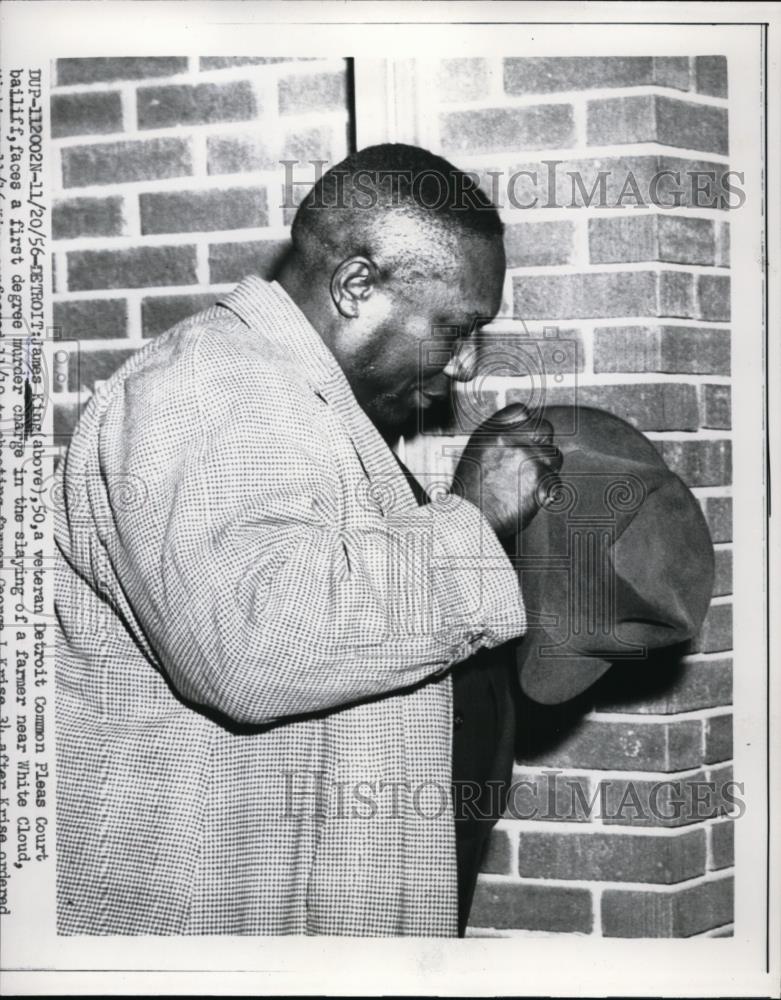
[[256, 624]]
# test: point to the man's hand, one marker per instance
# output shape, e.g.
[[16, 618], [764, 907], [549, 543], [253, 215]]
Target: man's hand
[[509, 468]]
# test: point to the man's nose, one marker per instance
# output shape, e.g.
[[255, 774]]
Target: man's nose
[[462, 366]]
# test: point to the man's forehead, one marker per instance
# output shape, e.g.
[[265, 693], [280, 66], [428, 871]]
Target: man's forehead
[[459, 282]]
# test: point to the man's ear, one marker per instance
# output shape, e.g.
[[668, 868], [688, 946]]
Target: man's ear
[[353, 282]]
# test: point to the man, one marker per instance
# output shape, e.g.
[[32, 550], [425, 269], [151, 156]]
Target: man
[[257, 620]]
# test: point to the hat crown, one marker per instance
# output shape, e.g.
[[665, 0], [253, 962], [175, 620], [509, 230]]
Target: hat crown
[[620, 561]]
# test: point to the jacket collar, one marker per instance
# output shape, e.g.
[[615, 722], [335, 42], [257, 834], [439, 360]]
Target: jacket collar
[[265, 305]]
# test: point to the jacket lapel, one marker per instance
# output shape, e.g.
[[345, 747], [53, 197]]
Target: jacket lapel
[[266, 306]]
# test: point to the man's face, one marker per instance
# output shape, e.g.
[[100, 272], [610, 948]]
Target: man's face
[[420, 338]]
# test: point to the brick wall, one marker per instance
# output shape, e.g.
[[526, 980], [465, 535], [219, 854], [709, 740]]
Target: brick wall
[[636, 304], [168, 190]]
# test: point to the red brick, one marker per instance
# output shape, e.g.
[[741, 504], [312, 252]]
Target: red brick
[[667, 803], [463, 79], [551, 74], [718, 739], [602, 294], [718, 511], [91, 319], [607, 182], [627, 746], [87, 367], [230, 262], [672, 71], [545, 126], [665, 238], [73, 217], [722, 844], [505, 905], [241, 153], [86, 114], [681, 913], [676, 294], [138, 267], [694, 126], [615, 120], [105, 68], [160, 312], [118, 162], [524, 354], [295, 189], [234, 154], [695, 684], [659, 407], [622, 240], [729, 795], [308, 144], [225, 62], [677, 349], [722, 245], [579, 296], [727, 931], [652, 118], [699, 463], [684, 744], [716, 406], [703, 184], [722, 580], [711, 75], [498, 855], [716, 632], [713, 291], [612, 856], [527, 185], [313, 92], [203, 103], [538, 244], [550, 796], [203, 211]]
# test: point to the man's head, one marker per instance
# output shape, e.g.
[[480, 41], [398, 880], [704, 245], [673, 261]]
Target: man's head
[[397, 259]]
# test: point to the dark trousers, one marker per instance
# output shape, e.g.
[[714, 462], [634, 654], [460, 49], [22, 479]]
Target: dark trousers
[[483, 750]]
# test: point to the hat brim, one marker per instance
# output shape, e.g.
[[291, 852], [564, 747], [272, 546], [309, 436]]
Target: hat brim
[[550, 679]]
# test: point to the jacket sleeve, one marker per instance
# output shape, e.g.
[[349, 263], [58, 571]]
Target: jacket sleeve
[[262, 601]]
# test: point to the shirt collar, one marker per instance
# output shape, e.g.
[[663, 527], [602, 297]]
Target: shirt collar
[[266, 306]]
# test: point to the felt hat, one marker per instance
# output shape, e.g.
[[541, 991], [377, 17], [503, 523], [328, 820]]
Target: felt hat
[[617, 563]]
